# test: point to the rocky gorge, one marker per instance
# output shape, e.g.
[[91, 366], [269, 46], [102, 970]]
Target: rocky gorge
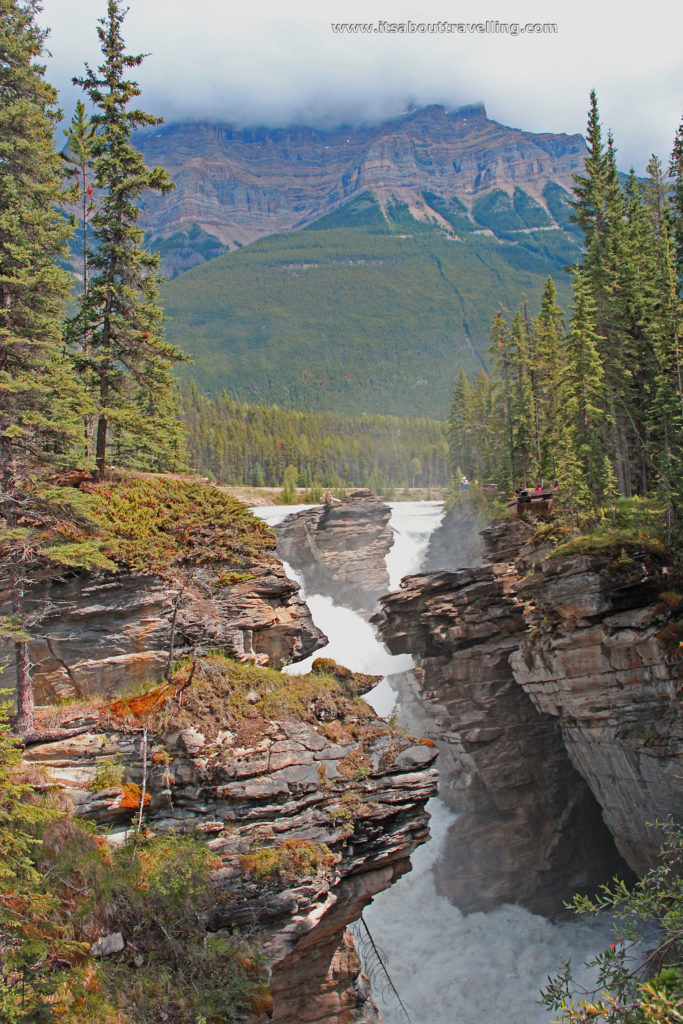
[[549, 684], [308, 802], [309, 806], [340, 549], [554, 687]]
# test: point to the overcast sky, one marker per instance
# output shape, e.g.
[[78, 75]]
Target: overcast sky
[[277, 63]]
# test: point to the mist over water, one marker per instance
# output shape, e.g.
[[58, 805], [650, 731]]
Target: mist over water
[[483, 968]]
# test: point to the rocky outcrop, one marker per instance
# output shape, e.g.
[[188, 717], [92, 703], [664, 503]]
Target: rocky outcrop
[[529, 830], [334, 798], [555, 687], [100, 633], [238, 184], [602, 654], [340, 550]]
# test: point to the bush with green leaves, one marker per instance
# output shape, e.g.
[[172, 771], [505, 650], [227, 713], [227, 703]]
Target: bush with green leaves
[[639, 977]]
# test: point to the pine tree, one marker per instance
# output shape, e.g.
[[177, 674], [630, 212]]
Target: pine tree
[[501, 352], [522, 411], [40, 402], [551, 359], [80, 141], [676, 208], [128, 357], [583, 393]]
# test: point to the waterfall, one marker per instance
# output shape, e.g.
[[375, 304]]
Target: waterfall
[[449, 968]]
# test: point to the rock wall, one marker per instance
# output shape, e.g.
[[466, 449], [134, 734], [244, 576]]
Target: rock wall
[[455, 544], [602, 654], [291, 782], [104, 632], [555, 688], [340, 550], [529, 830]]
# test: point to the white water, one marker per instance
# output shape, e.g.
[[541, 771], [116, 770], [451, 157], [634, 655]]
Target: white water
[[483, 968]]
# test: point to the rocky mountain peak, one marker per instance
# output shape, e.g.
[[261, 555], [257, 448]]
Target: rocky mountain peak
[[238, 184]]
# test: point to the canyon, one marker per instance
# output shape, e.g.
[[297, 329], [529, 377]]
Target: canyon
[[550, 686], [554, 687]]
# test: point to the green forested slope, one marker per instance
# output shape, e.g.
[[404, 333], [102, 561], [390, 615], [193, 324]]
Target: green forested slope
[[357, 313], [254, 444]]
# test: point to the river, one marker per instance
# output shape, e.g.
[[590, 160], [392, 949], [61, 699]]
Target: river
[[449, 968]]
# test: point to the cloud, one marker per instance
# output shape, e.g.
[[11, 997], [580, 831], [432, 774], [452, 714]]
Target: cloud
[[262, 62]]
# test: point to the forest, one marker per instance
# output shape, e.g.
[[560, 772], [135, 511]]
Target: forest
[[238, 443], [592, 399]]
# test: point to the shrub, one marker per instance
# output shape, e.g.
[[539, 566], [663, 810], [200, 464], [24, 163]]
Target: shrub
[[639, 975]]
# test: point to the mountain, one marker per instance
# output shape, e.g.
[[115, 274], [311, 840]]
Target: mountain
[[239, 184], [362, 312], [357, 269]]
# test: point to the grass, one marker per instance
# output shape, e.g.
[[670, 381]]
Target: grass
[[244, 699], [635, 522], [289, 861]]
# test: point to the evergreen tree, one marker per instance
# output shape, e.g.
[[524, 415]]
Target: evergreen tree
[[583, 393], [80, 138], [127, 357], [80, 141], [551, 357], [501, 353], [40, 402], [676, 209]]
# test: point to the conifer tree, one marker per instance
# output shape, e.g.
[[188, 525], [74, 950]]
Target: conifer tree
[[523, 413], [80, 141], [128, 357], [583, 392], [501, 352], [40, 401], [550, 349], [676, 208]]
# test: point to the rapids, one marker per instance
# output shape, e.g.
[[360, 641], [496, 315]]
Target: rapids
[[482, 968]]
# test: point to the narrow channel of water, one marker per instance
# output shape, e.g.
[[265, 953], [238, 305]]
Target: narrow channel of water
[[483, 968]]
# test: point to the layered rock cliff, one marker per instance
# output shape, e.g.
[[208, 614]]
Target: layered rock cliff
[[309, 803], [602, 654], [555, 687], [529, 830], [238, 184], [192, 562], [340, 550]]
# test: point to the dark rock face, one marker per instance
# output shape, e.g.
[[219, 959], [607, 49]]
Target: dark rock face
[[529, 830], [289, 784], [340, 550], [596, 657], [555, 687], [108, 631], [239, 184]]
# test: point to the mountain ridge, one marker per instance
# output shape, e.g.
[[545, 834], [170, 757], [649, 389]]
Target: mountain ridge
[[239, 184]]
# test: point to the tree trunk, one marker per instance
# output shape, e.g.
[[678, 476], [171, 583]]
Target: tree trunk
[[101, 449], [24, 724]]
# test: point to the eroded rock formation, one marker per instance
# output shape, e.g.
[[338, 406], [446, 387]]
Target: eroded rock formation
[[101, 633], [329, 781], [529, 830], [555, 687], [340, 550], [602, 654]]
